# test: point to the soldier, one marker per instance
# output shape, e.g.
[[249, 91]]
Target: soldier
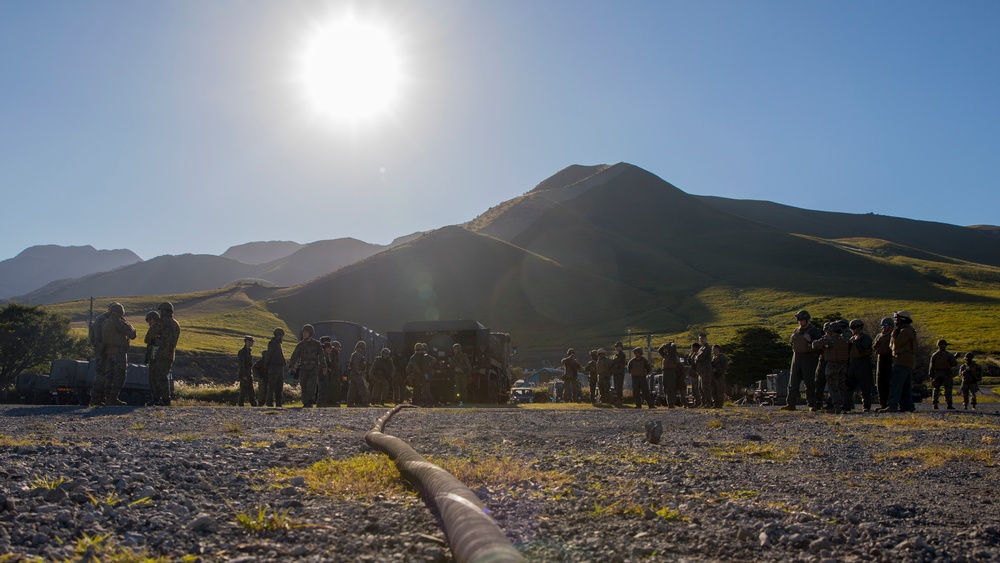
[[463, 370], [971, 375], [116, 333], [97, 343], [381, 374], [166, 333], [618, 363], [639, 369], [591, 369], [308, 359], [603, 370], [720, 365], [804, 360], [260, 376], [244, 372], [882, 347], [940, 372], [692, 375], [669, 354], [418, 376], [836, 353], [703, 365], [357, 387], [398, 378], [152, 318], [324, 386], [275, 369], [859, 366], [904, 359], [571, 375]]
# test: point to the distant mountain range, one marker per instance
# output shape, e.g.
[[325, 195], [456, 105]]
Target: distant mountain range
[[290, 263], [40, 265]]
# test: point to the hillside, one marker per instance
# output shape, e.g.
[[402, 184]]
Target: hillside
[[255, 253], [40, 265]]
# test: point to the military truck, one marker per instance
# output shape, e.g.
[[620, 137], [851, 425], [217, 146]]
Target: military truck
[[349, 334], [488, 351], [69, 383]]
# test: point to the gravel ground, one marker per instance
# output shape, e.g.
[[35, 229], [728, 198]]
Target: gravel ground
[[743, 483]]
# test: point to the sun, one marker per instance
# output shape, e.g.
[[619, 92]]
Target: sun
[[350, 69]]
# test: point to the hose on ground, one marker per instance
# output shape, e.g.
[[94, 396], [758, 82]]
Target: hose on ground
[[472, 533]]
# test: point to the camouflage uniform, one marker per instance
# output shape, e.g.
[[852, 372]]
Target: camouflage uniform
[[309, 360], [882, 348], [603, 370], [275, 371], [618, 364], [328, 391], [836, 353], [703, 366], [260, 376], [357, 387], [803, 368], [720, 365], [418, 374], [97, 342], [940, 372], [462, 366], [571, 376], [244, 369], [639, 369], [859, 367], [692, 375], [904, 359], [398, 378], [591, 369], [116, 333], [166, 336], [669, 354], [971, 375], [380, 375]]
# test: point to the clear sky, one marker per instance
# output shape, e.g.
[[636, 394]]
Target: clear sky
[[182, 126]]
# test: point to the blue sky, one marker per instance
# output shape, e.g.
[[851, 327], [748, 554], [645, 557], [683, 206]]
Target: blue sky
[[181, 126]]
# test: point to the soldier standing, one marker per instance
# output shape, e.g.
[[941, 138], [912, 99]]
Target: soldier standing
[[416, 373], [463, 369], [244, 371], [639, 369], [152, 318], [603, 370], [357, 387], [804, 360], [381, 374], [275, 369], [859, 366], [669, 354], [703, 366], [260, 376], [940, 372], [324, 387], [971, 375], [882, 348], [116, 333], [97, 343], [692, 375], [398, 378], [591, 369], [167, 332], [618, 364], [720, 365], [571, 376], [836, 353], [308, 359], [904, 359]]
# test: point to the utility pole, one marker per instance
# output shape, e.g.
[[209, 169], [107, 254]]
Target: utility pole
[[90, 319]]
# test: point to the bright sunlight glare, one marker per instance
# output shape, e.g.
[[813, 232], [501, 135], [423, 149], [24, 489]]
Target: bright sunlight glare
[[350, 69]]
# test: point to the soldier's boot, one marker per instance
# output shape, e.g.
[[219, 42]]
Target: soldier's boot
[[787, 408], [966, 407], [950, 408], [935, 405]]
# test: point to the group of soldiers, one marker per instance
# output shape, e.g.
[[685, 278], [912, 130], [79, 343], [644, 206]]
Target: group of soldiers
[[110, 337], [317, 367], [843, 358], [704, 368]]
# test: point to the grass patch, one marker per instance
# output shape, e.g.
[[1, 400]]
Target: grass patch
[[265, 519], [758, 451], [102, 548], [43, 482], [940, 455], [232, 427], [715, 423], [297, 431], [922, 422]]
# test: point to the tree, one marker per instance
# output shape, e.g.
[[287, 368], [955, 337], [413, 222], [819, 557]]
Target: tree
[[755, 352], [30, 338]]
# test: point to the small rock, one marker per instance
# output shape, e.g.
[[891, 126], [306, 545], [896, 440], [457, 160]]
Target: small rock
[[288, 491], [753, 437], [744, 534], [297, 481], [55, 495], [298, 551], [765, 540], [654, 430], [819, 545], [203, 523], [278, 445]]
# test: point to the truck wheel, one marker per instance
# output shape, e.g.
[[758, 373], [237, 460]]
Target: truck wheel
[[135, 399]]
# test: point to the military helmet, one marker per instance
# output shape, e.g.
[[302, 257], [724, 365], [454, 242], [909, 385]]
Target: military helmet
[[969, 356], [418, 347], [827, 327], [637, 350], [152, 316], [903, 316], [886, 321], [385, 351], [857, 323], [602, 352], [116, 307], [842, 323], [308, 328], [942, 342], [619, 344], [279, 331], [166, 306], [570, 352], [248, 338], [456, 346], [335, 343], [325, 339], [802, 315]]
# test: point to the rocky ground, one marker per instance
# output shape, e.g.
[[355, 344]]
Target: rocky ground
[[743, 483]]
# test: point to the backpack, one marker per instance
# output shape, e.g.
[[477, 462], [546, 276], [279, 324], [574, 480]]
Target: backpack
[[259, 368]]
